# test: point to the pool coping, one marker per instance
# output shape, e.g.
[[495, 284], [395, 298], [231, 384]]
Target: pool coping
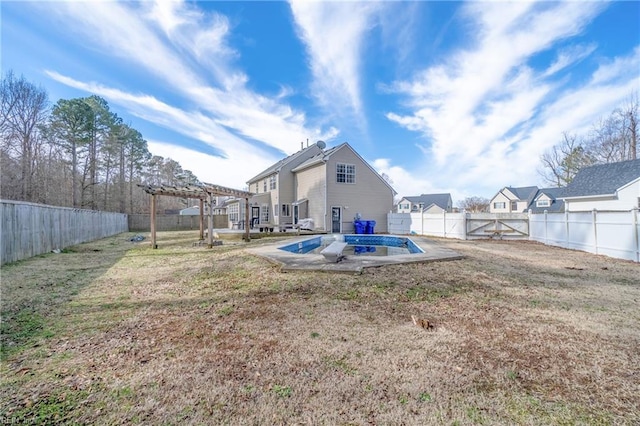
[[433, 252]]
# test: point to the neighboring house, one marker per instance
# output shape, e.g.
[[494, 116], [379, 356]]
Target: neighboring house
[[427, 203], [219, 208], [511, 200], [612, 187], [547, 199]]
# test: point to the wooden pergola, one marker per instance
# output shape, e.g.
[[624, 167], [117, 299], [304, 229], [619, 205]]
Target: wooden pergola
[[202, 192]]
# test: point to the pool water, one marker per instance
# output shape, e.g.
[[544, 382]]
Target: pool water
[[358, 245]]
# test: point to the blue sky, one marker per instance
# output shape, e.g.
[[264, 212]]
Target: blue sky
[[459, 97]]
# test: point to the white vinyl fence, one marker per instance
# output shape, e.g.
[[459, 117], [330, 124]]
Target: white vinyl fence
[[30, 229], [614, 234]]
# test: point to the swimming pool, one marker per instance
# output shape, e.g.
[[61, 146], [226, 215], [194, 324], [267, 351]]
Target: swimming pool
[[358, 245]]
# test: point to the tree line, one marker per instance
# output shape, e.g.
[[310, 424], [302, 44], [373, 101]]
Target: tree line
[[610, 140], [77, 153]]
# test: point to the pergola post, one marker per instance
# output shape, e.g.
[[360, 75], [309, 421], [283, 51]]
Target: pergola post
[[246, 220], [202, 192], [153, 222], [210, 220], [201, 219]]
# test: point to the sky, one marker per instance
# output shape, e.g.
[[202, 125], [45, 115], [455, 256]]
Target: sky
[[458, 97]]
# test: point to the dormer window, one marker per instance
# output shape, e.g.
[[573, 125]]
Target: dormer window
[[543, 203]]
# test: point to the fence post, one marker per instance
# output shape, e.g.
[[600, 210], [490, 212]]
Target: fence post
[[594, 220], [566, 227], [421, 221], [636, 237], [444, 223], [465, 216], [546, 239]]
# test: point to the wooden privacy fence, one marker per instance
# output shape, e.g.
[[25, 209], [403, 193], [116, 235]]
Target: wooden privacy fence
[[615, 234], [30, 229], [174, 222]]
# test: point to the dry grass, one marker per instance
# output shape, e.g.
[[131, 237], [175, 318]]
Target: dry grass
[[117, 333]]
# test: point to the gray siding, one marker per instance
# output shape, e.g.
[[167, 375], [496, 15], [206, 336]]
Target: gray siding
[[311, 185], [370, 195]]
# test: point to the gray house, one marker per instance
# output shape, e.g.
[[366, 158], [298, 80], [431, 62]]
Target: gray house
[[337, 186], [317, 188], [428, 203]]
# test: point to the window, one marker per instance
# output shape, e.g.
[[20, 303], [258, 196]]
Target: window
[[272, 182], [499, 205], [257, 187], [514, 206], [543, 203], [264, 185], [346, 173], [233, 211], [264, 213], [286, 210]]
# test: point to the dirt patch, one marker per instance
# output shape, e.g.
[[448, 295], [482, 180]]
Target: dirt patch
[[523, 334]]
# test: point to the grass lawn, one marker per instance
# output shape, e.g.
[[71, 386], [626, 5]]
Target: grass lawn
[[113, 332]]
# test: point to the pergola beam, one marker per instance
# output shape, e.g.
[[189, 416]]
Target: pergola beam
[[203, 192]]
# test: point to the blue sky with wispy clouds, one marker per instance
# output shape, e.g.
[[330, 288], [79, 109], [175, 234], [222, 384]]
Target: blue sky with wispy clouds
[[459, 97]]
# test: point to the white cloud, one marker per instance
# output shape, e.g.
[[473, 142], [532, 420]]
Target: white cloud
[[487, 111], [179, 46], [334, 33]]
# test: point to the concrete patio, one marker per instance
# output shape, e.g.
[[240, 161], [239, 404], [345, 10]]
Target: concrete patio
[[433, 252]]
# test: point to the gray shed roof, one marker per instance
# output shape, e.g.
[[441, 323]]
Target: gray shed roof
[[603, 179]]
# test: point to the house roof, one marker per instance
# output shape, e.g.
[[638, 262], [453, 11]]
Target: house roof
[[278, 165], [324, 156], [523, 193], [319, 158], [603, 179], [557, 205], [440, 200]]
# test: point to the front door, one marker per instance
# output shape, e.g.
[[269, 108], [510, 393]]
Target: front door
[[336, 220], [255, 216], [296, 213]]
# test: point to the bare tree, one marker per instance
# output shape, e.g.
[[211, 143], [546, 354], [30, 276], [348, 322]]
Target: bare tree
[[615, 138], [24, 109], [474, 204], [561, 163]]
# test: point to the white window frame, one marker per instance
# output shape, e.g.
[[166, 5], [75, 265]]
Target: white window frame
[[264, 213], [346, 172], [272, 182], [499, 205], [543, 203], [234, 212], [264, 185], [514, 206], [286, 210]]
